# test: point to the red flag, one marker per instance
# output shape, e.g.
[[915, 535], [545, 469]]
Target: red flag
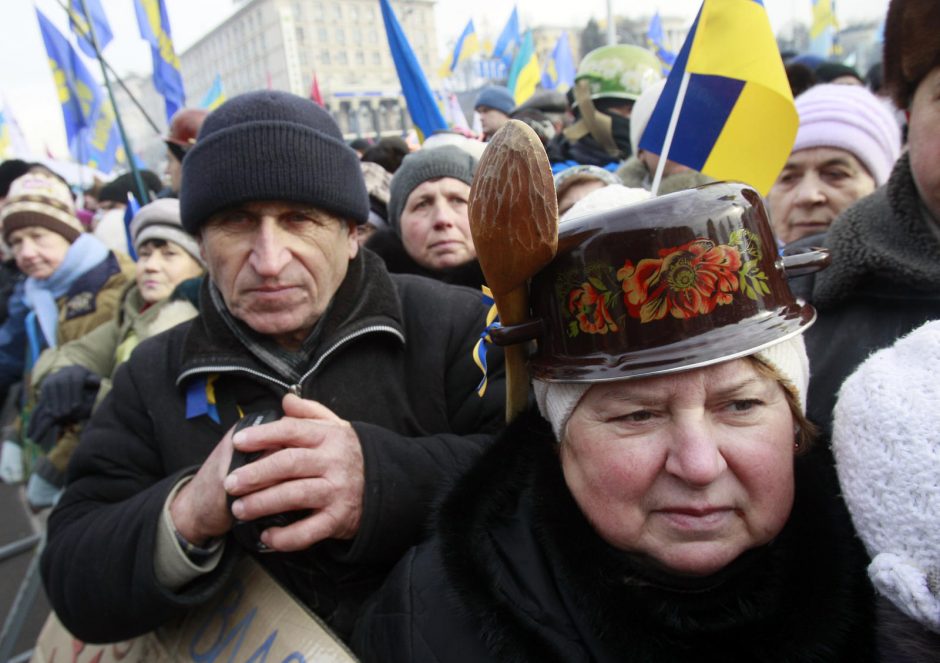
[[315, 92], [270, 86]]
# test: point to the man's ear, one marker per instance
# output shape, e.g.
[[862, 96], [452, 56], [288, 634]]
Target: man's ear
[[352, 239]]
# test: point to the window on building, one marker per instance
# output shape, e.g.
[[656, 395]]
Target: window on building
[[299, 31], [376, 58], [341, 57], [353, 13], [360, 58], [322, 35], [340, 36], [337, 11], [324, 57]]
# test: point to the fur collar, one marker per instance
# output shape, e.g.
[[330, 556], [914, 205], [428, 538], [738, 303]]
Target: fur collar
[[543, 586], [883, 241]]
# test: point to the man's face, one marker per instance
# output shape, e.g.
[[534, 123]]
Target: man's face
[[278, 264], [491, 120], [816, 185], [174, 170]]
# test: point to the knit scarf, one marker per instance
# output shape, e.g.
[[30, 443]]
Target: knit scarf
[[41, 294]]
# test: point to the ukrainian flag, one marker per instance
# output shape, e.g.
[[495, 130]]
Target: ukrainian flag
[[215, 96], [424, 111], [467, 46], [734, 113], [524, 75], [154, 27]]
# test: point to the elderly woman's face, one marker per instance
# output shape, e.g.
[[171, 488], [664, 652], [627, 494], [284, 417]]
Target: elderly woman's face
[[435, 224], [689, 470]]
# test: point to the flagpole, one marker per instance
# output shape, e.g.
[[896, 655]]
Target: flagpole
[[670, 132], [142, 194]]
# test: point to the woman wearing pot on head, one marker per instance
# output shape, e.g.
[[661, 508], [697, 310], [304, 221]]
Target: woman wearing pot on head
[[73, 285], [667, 507], [429, 218], [71, 378]]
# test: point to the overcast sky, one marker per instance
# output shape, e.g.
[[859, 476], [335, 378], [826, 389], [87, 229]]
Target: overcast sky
[[26, 82]]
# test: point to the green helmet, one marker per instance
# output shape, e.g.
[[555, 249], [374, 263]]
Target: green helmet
[[621, 71]]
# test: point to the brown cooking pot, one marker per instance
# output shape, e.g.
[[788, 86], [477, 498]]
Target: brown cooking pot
[[672, 283]]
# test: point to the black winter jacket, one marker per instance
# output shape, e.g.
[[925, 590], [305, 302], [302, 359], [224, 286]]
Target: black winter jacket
[[394, 358], [516, 573], [884, 281]]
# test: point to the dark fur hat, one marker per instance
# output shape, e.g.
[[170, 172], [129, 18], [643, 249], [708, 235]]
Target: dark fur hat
[[911, 47]]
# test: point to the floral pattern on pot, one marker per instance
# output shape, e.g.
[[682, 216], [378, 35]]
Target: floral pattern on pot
[[588, 303], [684, 282]]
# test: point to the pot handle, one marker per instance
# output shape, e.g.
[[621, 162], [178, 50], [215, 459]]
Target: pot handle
[[513, 334], [805, 261]]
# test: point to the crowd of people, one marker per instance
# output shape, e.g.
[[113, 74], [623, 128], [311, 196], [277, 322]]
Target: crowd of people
[[731, 453]]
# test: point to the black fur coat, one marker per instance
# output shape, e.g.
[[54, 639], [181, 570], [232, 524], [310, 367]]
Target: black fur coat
[[515, 573]]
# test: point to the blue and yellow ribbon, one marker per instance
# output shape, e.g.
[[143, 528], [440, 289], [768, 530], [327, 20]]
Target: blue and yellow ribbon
[[479, 350], [200, 398]]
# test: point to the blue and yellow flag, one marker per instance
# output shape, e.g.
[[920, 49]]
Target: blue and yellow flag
[[524, 75], [823, 31], [80, 25], [423, 108], [100, 146], [215, 96], [508, 39], [654, 39], [155, 28], [6, 141], [560, 70], [76, 89], [467, 46], [728, 98]]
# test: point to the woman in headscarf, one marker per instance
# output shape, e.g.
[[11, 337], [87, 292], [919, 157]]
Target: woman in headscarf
[[428, 218], [666, 505]]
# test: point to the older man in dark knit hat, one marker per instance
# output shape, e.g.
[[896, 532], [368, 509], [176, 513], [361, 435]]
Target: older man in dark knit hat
[[371, 376]]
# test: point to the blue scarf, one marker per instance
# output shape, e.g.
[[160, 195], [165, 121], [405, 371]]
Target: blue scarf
[[85, 253]]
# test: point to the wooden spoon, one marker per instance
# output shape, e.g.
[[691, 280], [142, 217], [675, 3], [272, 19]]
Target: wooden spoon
[[514, 224]]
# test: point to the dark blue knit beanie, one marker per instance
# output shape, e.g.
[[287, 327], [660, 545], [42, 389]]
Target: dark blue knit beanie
[[496, 96], [270, 146]]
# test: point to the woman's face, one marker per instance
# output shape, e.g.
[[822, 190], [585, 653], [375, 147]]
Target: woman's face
[[689, 470], [435, 224], [161, 266], [38, 252]]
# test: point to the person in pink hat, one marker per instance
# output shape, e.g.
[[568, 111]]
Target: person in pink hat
[[845, 147]]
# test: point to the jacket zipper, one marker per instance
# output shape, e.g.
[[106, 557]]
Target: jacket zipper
[[297, 388]]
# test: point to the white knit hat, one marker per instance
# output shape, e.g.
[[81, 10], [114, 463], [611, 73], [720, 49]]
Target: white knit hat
[[557, 400], [886, 441]]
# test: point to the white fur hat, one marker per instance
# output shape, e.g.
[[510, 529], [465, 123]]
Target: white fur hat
[[886, 441]]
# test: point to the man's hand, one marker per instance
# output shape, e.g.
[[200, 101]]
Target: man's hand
[[200, 509], [313, 461]]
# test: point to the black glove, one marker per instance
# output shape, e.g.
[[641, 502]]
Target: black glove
[[67, 396]]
